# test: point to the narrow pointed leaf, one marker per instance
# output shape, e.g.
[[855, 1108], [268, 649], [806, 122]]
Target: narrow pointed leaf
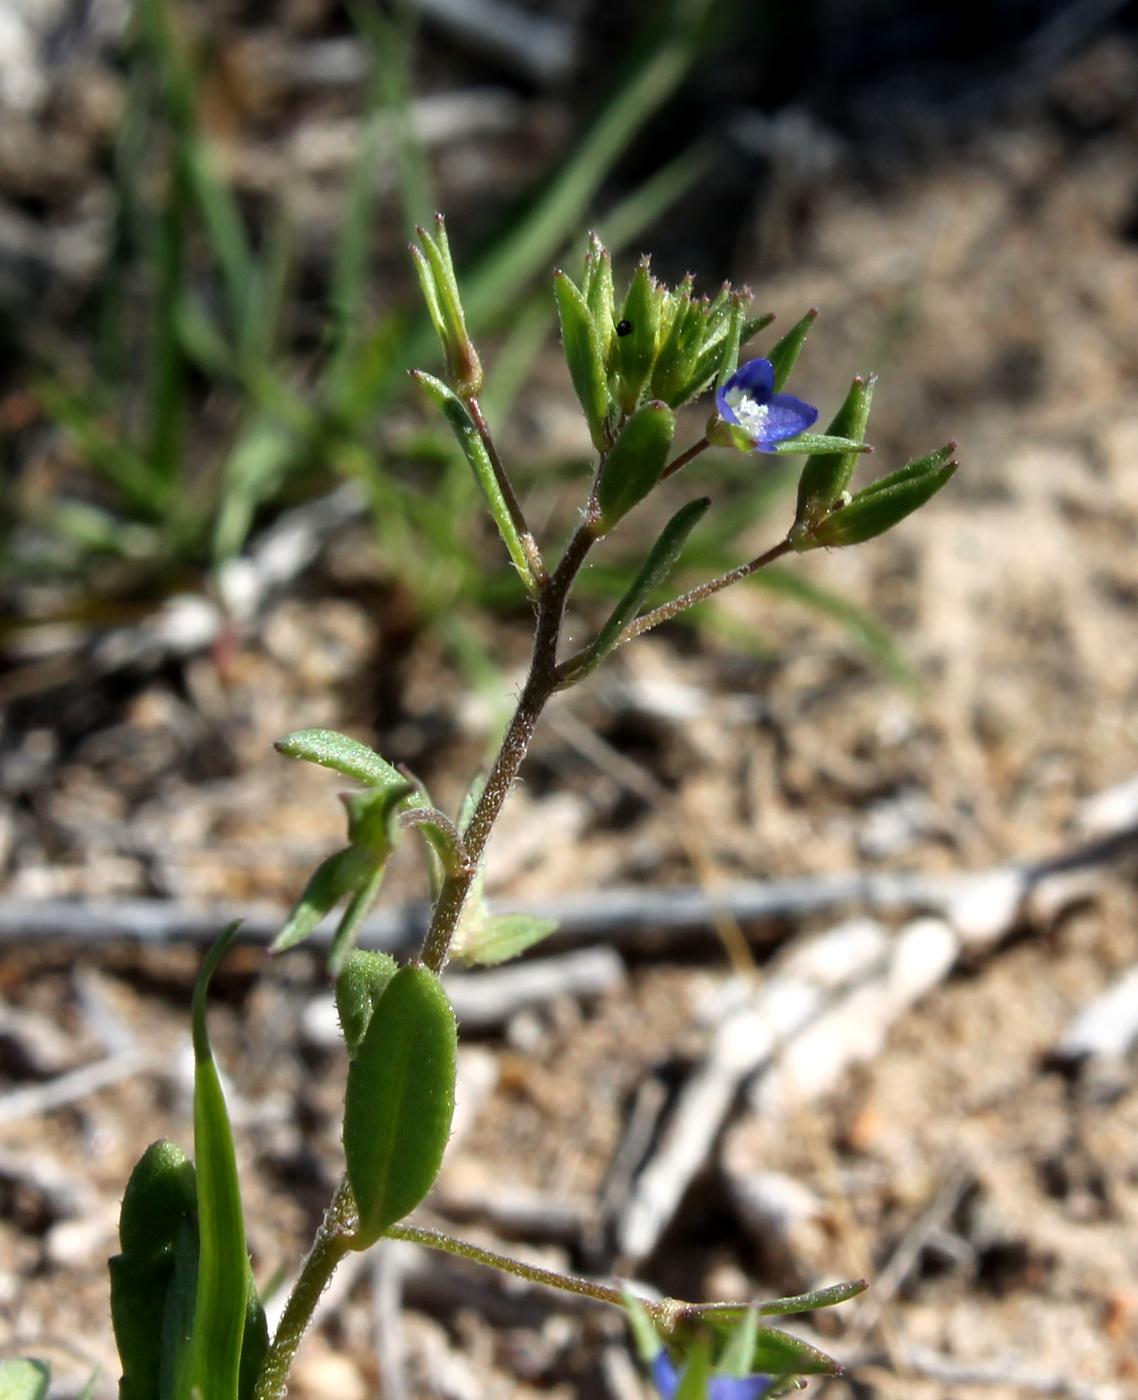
[[826, 475], [348, 929], [474, 450], [753, 325], [728, 359], [634, 465], [585, 358], [784, 354], [656, 568], [636, 349], [340, 875], [399, 1101], [885, 504], [342, 754], [601, 297], [818, 442], [214, 1360], [917, 469], [817, 1298]]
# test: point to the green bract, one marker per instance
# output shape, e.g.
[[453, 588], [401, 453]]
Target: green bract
[[634, 465], [880, 506], [826, 475], [585, 357]]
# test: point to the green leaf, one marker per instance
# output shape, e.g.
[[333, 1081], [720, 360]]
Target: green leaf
[[254, 1341], [728, 359], [655, 569], [817, 1298], [584, 356], [784, 354], [634, 465], [22, 1379], [336, 751], [775, 1352], [462, 359], [753, 325], [160, 1194], [214, 1360], [636, 350], [819, 442], [359, 986], [500, 937], [341, 874], [399, 1101], [600, 297], [177, 1329], [158, 1205], [826, 475], [879, 507], [474, 449], [348, 929], [915, 470]]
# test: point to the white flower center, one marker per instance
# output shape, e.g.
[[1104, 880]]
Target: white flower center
[[751, 415]]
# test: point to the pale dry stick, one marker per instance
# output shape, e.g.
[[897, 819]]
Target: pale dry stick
[[738, 951], [1000, 895], [901, 1262], [37, 1099], [936, 1366]]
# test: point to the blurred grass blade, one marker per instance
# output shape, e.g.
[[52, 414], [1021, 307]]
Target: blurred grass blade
[[214, 1361], [663, 188], [21, 1379], [667, 52], [860, 624]]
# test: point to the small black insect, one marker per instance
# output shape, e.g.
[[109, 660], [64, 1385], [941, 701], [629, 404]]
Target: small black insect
[[624, 328]]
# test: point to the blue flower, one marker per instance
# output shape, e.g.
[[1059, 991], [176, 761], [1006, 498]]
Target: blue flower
[[667, 1378], [749, 401]]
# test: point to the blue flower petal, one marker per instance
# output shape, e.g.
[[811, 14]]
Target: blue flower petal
[[786, 417], [665, 1375], [741, 1388], [667, 1380], [755, 378]]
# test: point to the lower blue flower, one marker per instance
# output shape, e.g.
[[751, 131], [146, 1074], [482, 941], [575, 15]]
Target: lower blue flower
[[667, 1380], [749, 401]]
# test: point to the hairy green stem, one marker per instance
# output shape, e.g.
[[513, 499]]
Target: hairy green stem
[[684, 458], [332, 1242], [533, 1273], [668, 610], [540, 685]]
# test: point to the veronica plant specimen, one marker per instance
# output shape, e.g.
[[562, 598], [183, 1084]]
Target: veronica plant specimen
[[186, 1313]]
